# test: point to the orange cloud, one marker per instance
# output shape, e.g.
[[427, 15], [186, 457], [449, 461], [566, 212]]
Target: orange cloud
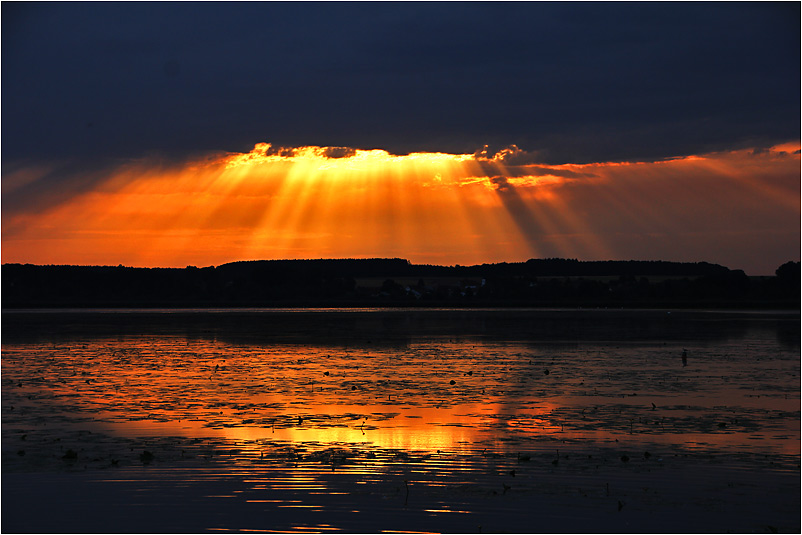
[[312, 202]]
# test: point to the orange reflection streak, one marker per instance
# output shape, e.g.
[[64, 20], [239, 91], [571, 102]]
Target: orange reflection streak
[[312, 202], [414, 429], [391, 398]]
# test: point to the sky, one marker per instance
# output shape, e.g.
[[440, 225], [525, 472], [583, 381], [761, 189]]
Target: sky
[[198, 133]]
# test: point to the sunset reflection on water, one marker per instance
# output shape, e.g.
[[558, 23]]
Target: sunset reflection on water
[[449, 393], [338, 413]]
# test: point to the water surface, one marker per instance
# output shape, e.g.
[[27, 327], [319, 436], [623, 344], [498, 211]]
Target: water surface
[[402, 420]]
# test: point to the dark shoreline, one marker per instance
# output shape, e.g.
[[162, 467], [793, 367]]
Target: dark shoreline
[[381, 283]]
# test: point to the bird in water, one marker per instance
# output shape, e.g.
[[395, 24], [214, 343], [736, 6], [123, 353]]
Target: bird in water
[[684, 357]]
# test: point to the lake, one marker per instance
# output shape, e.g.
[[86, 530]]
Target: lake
[[400, 420]]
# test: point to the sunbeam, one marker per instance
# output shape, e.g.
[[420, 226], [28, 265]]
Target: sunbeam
[[312, 202]]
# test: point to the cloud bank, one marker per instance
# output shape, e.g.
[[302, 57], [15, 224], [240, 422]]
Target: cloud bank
[[567, 82]]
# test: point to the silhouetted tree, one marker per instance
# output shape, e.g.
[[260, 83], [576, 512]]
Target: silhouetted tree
[[788, 279], [788, 272]]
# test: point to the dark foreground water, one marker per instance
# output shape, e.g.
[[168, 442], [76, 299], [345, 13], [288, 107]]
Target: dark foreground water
[[400, 420]]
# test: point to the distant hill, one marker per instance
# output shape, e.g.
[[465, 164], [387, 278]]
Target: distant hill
[[397, 282], [558, 267]]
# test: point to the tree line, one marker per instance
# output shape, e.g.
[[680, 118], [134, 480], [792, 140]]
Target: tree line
[[352, 282]]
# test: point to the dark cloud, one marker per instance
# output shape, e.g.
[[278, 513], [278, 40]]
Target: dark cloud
[[328, 152], [338, 152], [568, 82], [513, 162], [502, 184]]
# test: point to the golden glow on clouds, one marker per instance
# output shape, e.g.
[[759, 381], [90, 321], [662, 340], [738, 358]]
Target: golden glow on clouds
[[313, 202]]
